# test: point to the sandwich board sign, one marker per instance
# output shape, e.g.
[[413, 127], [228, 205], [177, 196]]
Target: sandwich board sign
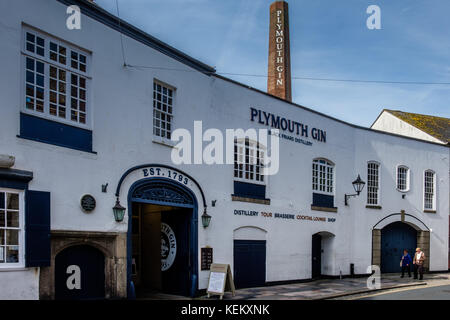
[[220, 280]]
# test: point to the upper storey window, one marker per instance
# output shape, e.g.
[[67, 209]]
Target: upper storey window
[[429, 194], [248, 161], [55, 107], [373, 183], [402, 178], [56, 79], [163, 102], [323, 176], [323, 185]]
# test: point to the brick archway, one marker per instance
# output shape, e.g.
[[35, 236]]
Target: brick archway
[[423, 235]]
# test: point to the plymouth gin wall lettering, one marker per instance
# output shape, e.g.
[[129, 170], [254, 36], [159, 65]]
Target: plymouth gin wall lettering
[[288, 126], [279, 72]]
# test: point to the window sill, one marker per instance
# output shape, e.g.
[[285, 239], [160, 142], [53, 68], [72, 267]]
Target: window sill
[[251, 200], [11, 268], [429, 211], [163, 142], [371, 206], [326, 209], [56, 144]]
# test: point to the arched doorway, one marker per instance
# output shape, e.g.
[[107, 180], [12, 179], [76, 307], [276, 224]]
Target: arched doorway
[[249, 257], [396, 237], [80, 273], [162, 238], [322, 254]]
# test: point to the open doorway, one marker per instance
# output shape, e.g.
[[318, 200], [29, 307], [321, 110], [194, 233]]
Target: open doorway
[[322, 254], [161, 261], [316, 256]]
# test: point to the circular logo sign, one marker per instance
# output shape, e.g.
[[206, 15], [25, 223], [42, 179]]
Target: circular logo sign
[[88, 203], [168, 246]]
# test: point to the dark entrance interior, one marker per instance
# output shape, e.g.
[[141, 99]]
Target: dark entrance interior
[[161, 261], [249, 263], [396, 237], [80, 273], [316, 256]]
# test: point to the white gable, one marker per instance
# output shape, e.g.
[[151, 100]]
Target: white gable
[[390, 123]]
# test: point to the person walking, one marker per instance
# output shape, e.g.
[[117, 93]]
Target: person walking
[[405, 263], [419, 258]]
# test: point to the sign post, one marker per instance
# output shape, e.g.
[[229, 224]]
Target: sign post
[[220, 280]]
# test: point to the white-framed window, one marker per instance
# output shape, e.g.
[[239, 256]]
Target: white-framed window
[[373, 183], [163, 103], [248, 161], [11, 228], [429, 190], [56, 79], [402, 178], [323, 176]]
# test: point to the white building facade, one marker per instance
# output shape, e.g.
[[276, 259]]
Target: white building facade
[[85, 131]]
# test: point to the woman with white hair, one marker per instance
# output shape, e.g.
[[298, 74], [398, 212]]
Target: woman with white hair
[[419, 258]]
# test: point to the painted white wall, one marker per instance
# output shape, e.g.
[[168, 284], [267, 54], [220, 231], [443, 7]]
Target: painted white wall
[[390, 123], [20, 284], [121, 102]]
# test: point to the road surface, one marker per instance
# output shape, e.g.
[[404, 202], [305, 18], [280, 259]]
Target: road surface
[[441, 292]]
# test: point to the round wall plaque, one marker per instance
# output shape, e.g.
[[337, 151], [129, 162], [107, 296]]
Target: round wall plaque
[[88, 203]]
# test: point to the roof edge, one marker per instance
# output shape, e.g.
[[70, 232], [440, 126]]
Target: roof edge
[[392, 112], [327, 116]]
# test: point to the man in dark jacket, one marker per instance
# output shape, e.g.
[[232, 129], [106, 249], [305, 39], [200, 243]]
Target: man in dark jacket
[[406, 263]]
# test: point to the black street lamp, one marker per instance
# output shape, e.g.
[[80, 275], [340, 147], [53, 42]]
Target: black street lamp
[[358, 185]]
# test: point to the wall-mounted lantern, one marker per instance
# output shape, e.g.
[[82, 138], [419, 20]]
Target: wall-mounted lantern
[[206, 219], [119, 211], [358, 185]]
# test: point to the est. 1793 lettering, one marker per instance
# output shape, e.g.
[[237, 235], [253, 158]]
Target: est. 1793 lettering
[[170, 174]]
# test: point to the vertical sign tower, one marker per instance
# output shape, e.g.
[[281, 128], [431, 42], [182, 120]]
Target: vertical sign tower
[[279, 73]]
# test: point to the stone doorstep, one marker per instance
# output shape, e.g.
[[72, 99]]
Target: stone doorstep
[[350, 293]]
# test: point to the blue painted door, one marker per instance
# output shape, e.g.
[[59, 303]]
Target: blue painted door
[[249, 263], [80, 273], [396, 237]]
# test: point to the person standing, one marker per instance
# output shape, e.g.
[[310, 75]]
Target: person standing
[[419, 258], [406, 263]]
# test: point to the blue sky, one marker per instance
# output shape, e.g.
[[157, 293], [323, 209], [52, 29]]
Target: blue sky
[[329, 39]]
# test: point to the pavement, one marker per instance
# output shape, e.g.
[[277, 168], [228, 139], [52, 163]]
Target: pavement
[[331, 288]]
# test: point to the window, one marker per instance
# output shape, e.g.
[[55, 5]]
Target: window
[[323, 176], [56, 80], [402, 178], [429, 190], [163, 96], [11, 232], [248, 161], [373, 183]]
